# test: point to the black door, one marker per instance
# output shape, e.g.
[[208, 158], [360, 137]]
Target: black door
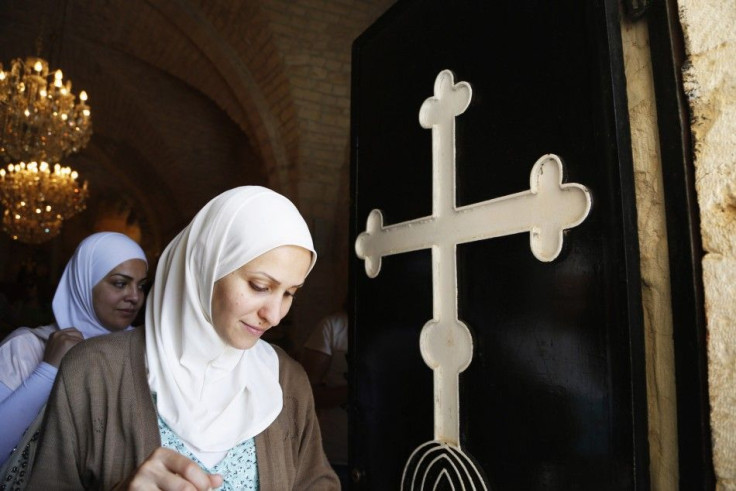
[[554, 397]]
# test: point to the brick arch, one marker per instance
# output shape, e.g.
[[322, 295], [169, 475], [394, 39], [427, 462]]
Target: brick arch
[[171, 150], [244, 66]]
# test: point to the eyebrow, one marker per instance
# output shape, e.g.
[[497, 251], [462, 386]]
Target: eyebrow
[[277, 281], [127, 277]]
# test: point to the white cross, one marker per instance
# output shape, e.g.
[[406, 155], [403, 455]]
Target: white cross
[[546, 210]]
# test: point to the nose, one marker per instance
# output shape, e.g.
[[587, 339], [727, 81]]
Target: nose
[[133, 294], [270, 311]]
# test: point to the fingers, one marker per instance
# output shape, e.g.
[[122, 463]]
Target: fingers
[[59, 343], [168, 470], [216, 480], [67, 333]]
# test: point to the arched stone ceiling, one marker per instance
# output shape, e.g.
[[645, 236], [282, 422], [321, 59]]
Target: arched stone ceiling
[[166, 90], [191, 97]]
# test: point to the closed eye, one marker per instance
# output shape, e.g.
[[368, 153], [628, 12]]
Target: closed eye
[[258, 288]]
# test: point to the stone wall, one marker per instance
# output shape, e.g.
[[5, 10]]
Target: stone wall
[[710, 84], [314, 41]]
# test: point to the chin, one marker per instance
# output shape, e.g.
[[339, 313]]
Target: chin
[[116, 328], [249, 345], [242, 344]]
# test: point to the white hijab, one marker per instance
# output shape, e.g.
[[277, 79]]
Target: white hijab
[[94, 257], [212, 395]]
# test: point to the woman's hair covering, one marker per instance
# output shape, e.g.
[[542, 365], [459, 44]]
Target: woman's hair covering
[[93, 259], [212, 395]]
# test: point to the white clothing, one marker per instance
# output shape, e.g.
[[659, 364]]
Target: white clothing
[[331, 338], [21, 352], [210, 394], [25, 383]]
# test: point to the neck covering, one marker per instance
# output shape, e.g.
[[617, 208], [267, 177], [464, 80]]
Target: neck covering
[[93, 259], [212, 395]]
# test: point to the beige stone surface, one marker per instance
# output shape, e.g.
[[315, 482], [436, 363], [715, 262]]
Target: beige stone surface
[[710, 83], [661, 393], [720, 274]]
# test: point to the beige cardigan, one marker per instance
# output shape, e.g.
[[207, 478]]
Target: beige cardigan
[[101, 423]]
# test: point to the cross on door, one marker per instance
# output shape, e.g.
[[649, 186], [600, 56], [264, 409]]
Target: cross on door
[[546, 210]]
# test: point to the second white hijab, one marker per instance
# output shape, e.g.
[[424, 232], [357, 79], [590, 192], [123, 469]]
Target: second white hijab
[[212, 395], [94, 257]]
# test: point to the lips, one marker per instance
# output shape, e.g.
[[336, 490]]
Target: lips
[[253, 330]]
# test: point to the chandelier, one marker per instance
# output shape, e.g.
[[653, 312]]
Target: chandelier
[[41, 122], [40, 119], [37, 200]]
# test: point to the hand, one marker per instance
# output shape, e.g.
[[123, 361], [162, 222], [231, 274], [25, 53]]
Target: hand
[[59, 343], [168, 470]]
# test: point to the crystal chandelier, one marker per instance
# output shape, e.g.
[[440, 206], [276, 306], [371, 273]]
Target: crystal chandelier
[[40, 119], [41, 123], [37, 200]]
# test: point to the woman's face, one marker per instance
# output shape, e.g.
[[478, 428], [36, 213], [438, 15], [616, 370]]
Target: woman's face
[[118, 296], [254, 298]]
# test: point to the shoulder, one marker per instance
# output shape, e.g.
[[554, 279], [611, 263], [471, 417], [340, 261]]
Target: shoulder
[[330, 335], [19, 336], [297, 393], [291, 372], [337, 325], [106, 352], [286, 362], [20, 354], [95, 373], [108, 343]]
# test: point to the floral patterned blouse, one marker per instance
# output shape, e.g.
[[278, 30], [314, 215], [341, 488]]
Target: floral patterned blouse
[[238, 468]]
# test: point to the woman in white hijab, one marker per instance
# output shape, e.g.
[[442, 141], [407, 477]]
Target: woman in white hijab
[[205, 402], [101, 290]]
